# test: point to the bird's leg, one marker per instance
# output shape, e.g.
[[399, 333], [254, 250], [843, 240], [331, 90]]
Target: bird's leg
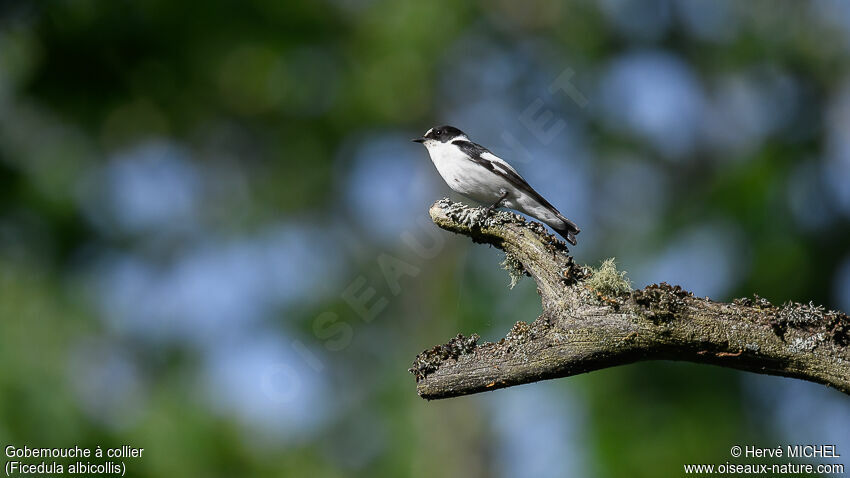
[[499, 202]]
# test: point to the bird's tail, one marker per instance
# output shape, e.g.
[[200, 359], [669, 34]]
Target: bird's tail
[[567, 229]]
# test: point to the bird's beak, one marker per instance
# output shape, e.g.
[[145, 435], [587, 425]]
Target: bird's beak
[[418, 140]]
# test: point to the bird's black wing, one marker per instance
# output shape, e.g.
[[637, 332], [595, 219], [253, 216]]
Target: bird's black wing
[[476, 151]]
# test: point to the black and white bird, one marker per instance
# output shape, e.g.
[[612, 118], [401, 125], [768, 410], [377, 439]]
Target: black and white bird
[[473, 171]]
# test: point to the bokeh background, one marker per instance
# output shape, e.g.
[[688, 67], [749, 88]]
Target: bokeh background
[[199, 202]]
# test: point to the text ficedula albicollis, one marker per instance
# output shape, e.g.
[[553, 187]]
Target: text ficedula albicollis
[[473, 171]]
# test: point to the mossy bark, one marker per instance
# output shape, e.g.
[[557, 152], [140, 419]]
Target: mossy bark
[[581, 330]]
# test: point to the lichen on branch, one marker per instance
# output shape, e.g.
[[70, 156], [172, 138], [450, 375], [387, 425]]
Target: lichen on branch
[[607, 280]]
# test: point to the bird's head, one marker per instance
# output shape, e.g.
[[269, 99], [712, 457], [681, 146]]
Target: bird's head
[[440, 135]]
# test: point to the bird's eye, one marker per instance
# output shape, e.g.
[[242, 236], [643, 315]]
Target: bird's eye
[[438, 133]]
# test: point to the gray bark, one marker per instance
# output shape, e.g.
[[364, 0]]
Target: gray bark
[[581, 329]]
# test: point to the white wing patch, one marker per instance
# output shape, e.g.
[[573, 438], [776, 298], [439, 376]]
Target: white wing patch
[[498, 162]]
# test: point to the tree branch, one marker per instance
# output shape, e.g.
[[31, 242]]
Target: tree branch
[[581, 329]]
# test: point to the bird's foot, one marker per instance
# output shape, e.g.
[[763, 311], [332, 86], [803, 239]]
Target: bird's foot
[[496, 204]]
